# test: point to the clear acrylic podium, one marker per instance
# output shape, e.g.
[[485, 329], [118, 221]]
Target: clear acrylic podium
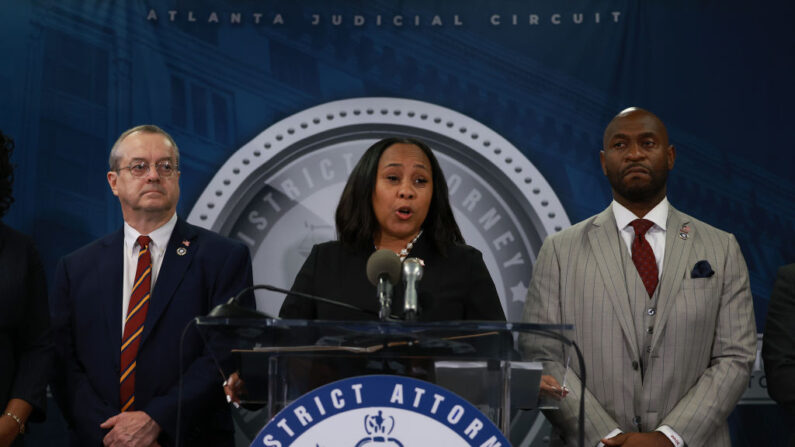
[[495, 366]]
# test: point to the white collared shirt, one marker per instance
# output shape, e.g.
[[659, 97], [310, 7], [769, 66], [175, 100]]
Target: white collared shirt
[[157, 249], [656, 234]]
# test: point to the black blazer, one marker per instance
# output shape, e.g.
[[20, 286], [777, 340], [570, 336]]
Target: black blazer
[[26, 352], [453, 287]]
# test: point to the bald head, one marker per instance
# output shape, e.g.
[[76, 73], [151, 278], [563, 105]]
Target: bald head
[[635, 115]]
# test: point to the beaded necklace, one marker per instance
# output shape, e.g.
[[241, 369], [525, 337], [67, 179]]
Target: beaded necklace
[[404, 252]]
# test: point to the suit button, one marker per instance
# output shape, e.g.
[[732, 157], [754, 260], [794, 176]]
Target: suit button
[[650, 330], [636, 420], [648, 349], [635, 365], [651, 311]]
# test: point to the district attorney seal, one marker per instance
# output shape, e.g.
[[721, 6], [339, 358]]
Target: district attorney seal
[[380, 411], [278, 192]]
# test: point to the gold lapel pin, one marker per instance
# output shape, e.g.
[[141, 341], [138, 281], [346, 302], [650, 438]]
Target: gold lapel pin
[[181, 251]]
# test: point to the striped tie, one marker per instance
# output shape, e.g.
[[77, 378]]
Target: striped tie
[[134, 324]]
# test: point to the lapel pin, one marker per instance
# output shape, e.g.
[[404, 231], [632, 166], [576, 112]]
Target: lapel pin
[[186, 243], [181, 251], [683, 232]]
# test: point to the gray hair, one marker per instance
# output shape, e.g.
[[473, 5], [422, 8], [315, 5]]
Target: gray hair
[[113, 160]]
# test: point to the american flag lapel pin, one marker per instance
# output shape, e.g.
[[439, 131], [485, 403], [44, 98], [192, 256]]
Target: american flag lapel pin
[[684, 232]]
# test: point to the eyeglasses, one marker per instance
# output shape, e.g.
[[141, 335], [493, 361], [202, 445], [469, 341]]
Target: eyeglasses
[[139, 169]]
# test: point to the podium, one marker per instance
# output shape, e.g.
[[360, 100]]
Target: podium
[[482, 362]]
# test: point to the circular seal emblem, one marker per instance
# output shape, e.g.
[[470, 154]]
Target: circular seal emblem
[[380, 411], [279, 191]]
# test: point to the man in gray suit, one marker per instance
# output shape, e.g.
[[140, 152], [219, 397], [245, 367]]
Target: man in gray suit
[[660, 303]]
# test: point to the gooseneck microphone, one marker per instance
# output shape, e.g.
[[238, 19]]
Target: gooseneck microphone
[[412, 272], [232, 308], [383, 271]]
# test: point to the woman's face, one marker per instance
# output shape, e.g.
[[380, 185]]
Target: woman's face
[[403, 192]]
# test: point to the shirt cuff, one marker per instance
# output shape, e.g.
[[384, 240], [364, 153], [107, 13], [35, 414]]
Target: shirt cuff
[[672, 436], [615, 432]]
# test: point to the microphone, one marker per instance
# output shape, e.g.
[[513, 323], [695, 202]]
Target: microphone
[[383, 271], [412, 273], [232, 308]]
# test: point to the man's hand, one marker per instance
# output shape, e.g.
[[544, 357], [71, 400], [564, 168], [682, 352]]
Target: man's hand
[[551, 388], [650, 439], [131, 429]]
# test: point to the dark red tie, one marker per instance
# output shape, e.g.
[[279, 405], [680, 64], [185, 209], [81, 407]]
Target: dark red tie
[[643, 256], [134, 324]]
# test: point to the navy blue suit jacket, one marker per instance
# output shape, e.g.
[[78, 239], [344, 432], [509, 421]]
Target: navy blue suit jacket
[[87, 310]]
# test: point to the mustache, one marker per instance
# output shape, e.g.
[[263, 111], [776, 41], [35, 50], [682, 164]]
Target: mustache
[[634, 166]]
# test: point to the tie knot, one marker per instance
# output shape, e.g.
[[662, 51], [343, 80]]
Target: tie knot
[[144, 241], [641, 226]]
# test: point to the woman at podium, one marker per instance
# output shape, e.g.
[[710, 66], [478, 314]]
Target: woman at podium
[[396, 198]]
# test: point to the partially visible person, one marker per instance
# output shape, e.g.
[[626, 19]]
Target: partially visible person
[[660, 301], [26, 352], [778, 344], [121, 303], [396, 198]]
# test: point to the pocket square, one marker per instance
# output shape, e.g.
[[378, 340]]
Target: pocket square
[[702, 269]]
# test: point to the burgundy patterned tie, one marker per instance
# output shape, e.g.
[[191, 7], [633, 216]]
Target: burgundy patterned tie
[[134, 324], [643, 256]]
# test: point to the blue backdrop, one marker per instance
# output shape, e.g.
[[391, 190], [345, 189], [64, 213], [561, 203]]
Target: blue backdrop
[[547, 75]]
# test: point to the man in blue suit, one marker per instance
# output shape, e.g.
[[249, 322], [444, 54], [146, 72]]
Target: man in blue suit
[[120, 305]]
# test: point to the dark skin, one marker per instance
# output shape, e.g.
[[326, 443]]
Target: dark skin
[[649, 439], [9, 428], [636, 158]]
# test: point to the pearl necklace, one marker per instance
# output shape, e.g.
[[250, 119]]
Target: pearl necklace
[[404, 252]]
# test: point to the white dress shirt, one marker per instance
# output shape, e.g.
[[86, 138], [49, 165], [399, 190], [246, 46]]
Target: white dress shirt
[[656, 233], [157, 249]]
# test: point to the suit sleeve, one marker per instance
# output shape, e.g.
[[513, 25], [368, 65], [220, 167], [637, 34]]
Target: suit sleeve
[[484, 302], [707, 405], [83, 409], [295, 307], [201, 380], [543, 306], [34, 337], [778, 348]]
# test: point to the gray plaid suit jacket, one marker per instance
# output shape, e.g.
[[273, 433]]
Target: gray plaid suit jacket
[[702, 345]]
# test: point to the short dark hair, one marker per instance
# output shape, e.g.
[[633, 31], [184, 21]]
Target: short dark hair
[[355, 218], [6, 173]]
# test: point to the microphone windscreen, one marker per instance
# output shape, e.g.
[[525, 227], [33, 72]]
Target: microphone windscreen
[[383, 262]]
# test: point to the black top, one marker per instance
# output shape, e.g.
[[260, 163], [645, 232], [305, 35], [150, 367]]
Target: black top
[[26, 352], [453, 287], [778, 350]]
